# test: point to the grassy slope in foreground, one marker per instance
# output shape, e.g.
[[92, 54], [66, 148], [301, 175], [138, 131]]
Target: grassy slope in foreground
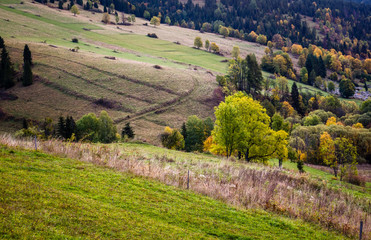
[[42, 196]]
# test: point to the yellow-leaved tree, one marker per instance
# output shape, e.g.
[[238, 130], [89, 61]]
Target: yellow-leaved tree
[[242, 127]]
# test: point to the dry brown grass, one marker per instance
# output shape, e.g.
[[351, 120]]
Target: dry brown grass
[[242, 185]]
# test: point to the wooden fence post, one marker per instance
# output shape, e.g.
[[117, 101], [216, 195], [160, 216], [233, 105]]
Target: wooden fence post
[[35, 143], [188, 180], [360, 230]]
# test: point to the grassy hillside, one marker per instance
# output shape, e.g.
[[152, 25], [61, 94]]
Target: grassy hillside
[[75, 83], [42, 196], [312, 197]]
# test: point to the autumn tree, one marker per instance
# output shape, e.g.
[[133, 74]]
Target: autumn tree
[[235, 52], [197, 42], [262, 39], [214, 47], [106, 18], [243, 126], [346, 155], [296, 49], [278, 41], [172, 139], [327, 151], [75, 10], [224, 31], [155, 21], [207, 45]]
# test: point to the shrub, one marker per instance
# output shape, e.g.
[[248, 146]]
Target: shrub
[[300, 166], [356, 179], [75, 40], [152, 35]]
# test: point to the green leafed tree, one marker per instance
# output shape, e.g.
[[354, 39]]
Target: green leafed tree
[[168, 20], [107, 129], [243, 126], [147, 15], [346, 88], [197, 130]]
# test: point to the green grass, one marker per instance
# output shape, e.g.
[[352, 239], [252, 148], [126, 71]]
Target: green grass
[[46, 197]]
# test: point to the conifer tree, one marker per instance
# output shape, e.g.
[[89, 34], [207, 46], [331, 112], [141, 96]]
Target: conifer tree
[[321, 68], [61, 127], [128, 131], [27, 55], [24, 124], [60, 4], [70, 127], [27, 78], [312, 77], [295, 96], [7, 71], [254, 75], [2, 42]]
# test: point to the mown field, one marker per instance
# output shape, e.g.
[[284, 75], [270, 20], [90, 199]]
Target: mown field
[[71, 83], [43, 196]]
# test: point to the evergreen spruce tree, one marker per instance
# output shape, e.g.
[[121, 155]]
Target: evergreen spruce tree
[[295, 97], [24, 124], [321, 67], [70, 127], [61, 127], [184, 130], [254, 75], [312, 77], [105, 9], [60, 4], [7, 71], [128, 131], [27, 78], [309, 63], [2, 44]]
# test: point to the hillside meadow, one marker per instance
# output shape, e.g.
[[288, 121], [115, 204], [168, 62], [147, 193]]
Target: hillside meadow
[[64, 198], [246, 186]]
